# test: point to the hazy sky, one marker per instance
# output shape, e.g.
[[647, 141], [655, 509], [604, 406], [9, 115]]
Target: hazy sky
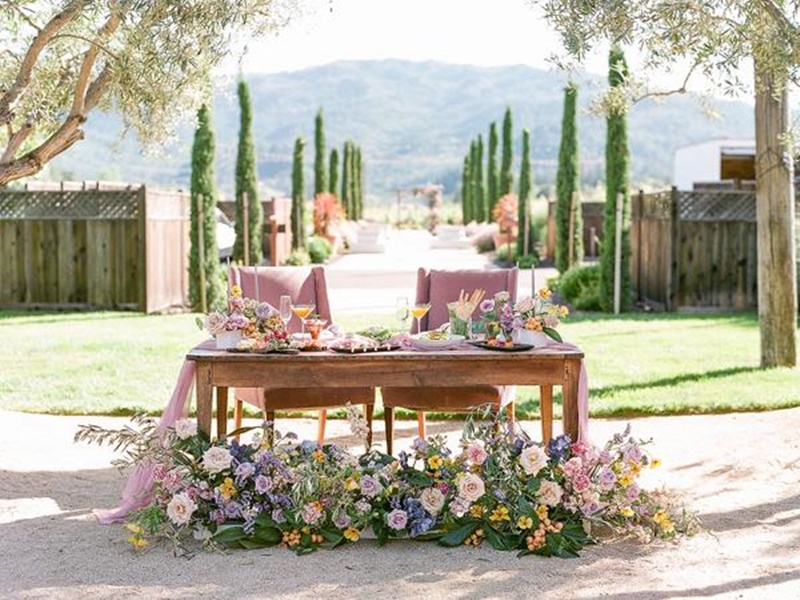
[[478, 32]]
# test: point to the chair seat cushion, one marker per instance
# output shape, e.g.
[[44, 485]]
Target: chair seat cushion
[[447, 399], [304, 398]]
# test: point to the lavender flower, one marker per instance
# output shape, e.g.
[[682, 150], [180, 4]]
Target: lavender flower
[[263, 484], [559, 446], [397, 519]]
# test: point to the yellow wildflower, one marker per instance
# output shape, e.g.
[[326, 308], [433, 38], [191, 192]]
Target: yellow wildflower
[[227, 489], [134, 528], [352, 483], [318, 455], [236, 290], [541, 512], [625, 480], [138, 542], [524, 522], [545, 293], [626, 511], [564, 311], [656, 462], [352, 534], [533, 324], [476, 511], [660, 517], [635, 468], [435, 462], [667, 526], [500, 514]]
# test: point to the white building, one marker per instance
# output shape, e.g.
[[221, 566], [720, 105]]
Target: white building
[[726, 162]]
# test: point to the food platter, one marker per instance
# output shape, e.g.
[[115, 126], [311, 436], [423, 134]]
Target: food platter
[[512, 348], [425, 342], [362, 349]]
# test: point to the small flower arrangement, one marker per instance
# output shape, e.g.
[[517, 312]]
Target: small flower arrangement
[[538, 313], [500, 487], [259, 323]]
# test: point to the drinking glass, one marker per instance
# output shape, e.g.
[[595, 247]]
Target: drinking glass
[[302, 311], [401, 310], [418, 311], [286, 310], [315, 327]]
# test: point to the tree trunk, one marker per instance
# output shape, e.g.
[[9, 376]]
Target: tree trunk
[[775, 210]]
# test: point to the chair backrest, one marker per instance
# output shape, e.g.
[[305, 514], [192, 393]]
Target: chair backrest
[[441, 286], [304, 284]]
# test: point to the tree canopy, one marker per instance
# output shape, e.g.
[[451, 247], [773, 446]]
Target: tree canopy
[[150, 61]]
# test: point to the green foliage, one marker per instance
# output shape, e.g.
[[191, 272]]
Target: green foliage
[[358, 180], [526, 261], [492, 181], [617, 188], [298, 196], [506, 182], [320, 173], [203, 193], [479, 188], [478, 207], [247, 184], [580, 286], [347, 173], [524, 198], [319, 249], [507, 255], [334, 173], [467, 214], [298, 258], [568, 186]]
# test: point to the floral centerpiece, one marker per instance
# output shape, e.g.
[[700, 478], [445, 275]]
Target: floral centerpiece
[[247, 324], [503, 320], [499, 487]]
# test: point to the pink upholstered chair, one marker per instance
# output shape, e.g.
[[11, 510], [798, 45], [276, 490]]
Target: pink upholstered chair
[[305, 285], [440, 287]]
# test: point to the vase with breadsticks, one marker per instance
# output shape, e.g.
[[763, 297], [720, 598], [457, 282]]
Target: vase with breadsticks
[[461, 310]]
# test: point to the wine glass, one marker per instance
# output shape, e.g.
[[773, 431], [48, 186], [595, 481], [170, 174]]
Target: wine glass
[[401, 310], [302, 311], [315, 327], [418, 311], [286, 310]]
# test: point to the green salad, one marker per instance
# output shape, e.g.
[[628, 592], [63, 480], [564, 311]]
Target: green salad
[[378, 333]]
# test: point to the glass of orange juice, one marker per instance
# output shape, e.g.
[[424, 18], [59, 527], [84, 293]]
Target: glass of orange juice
[[418, 311], [302, 311]]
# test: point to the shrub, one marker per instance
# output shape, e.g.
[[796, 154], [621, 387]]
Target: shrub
[[525, 261], [319, 249], [298, 258], [580, 286]]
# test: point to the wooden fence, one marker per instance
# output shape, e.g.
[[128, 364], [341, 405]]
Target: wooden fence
[[276, 236], [592, 228], [695, 248], [94, 248]]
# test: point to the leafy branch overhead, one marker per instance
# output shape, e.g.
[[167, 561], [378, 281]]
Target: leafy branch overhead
[[148, 60]]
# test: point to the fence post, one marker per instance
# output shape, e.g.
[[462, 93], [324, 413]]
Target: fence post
[[201, 251], [144, 267], [639, 213], [246, 229], [617, 253], [673, 272], [571, 250]]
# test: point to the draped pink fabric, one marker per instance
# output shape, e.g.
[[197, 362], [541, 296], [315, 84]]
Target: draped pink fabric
[[139, 487]]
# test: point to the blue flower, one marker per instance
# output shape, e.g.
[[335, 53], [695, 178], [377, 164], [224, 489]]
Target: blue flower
[[559, 446], [420, 526]]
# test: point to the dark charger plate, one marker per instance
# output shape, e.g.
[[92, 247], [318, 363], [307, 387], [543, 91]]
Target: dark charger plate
[[514, 348]]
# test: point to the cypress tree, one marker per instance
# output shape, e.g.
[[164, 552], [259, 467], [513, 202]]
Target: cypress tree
[[247, 184], [477, 208], [203, 193], [353, 179], [298, 196], [346, 203], [320, 174], [523, 208], [491, 171], [567, 185], [359, 180], [467, 215], [506, 178], [334, 173], [480, 188], [617, 183]]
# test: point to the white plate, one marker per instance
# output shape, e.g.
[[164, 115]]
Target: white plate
[[420, 341]]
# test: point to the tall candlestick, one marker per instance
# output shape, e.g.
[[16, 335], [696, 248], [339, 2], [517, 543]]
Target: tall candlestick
[[533, 281], [255, 272]]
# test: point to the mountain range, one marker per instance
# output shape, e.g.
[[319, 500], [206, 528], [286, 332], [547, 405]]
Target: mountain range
[[413, 121]]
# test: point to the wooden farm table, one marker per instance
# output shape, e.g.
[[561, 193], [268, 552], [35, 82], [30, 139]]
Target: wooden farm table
[[542, 367]]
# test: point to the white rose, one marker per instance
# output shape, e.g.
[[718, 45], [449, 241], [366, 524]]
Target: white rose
[[180, 509], [215, 323], [185, 428], [532, 459], [432, 500], [471, 487], [549, 493], [216, 459], [525, 305]]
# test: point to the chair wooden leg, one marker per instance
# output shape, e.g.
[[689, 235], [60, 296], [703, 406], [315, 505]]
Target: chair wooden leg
[[388, 420], [421, 424], [511, 412], [546, 410], [369, 409], [237, 415], [269, 417], [322, 421], [222, 412]]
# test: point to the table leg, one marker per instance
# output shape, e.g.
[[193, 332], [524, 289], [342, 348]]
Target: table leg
[[222, 412], [546, 410], [388, 420], [572, 371], [204, 391]]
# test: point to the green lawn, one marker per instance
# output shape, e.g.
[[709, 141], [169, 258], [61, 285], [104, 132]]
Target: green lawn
[[115, 363]]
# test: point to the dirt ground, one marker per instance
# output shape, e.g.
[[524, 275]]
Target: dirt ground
[[740, 473]]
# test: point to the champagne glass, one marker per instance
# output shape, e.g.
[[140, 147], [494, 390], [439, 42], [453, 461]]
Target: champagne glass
[[286, 310], [418, 311], [401, 310], [302, 311]]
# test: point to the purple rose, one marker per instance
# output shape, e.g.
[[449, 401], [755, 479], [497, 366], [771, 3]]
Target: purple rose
[[370, 487], [341, 520], [263, 484], [245, 470], [397, 519], [264, 310], [236, 321], [487, 305]]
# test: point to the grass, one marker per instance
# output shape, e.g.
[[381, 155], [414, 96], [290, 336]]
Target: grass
[[643, 364]]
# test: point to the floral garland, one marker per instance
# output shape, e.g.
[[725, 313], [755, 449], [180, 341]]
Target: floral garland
[[500, 487]]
